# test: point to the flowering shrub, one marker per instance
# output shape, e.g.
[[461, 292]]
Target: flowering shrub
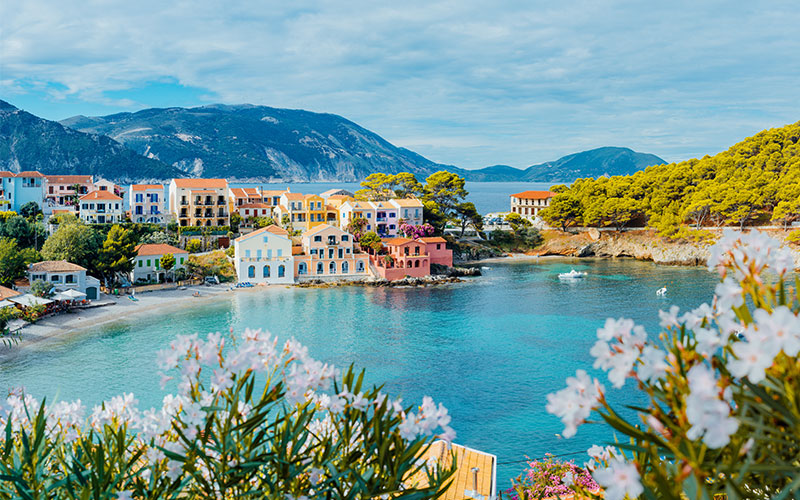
[[722, 384], [548, 478], [251, 420], [416, 232]]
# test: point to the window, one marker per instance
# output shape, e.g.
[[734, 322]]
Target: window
[[360, 266], [317, 238], [265, 271], [345, 268], [330, 253], [341, 253], [181, 260], [264, 239], [251, 272], [158, 263], [140, 263], [416, 263], [369, 215], [281, 271], [320, 269], [332, 267], [70, 278], [280, 252], [391, 226], [247, 253], [55, 278], [302, 268], [438, 246], [269, 253], [392, 214], [258, 253], [345, 237], [148, 263], [139, 198]]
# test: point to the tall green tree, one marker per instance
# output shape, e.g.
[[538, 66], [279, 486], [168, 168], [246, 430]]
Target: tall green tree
[[376, 187], [12, 263], [74, 242], [406, 185], [564, 211], [467, 215], [30, 210], [167, 263], [117, 253]]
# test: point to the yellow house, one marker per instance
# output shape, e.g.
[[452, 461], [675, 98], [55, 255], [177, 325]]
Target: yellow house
[[315, 211]]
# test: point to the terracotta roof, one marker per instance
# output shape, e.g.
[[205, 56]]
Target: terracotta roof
[[54, 266], [7, 292], [69, 179], [202, 191], [272, 228], [201, 183], [407, 202], [4, 173], [30, 173], [294, 196], [339, 197], [433, 239], [254, 205], [534, 195], [101, 195], [317, 229], [311, 196], [157, 249], [274, 192], [244, 192], [397, 241], [282, 208], [144, 187]]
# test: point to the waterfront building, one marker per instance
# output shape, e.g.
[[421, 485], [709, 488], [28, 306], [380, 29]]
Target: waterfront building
[[409, 210], [528, 204], [350, 210], [147, 263], [304, 211], [383, 217], [64, 276], [61, 190], [328, 251], [147, 203], [199, 202], [106, 185], [264, 256], [100, 207], [18, 189], [436, 247], [405, 257]]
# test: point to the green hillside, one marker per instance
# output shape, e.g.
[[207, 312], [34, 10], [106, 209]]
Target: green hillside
[[757, 181]]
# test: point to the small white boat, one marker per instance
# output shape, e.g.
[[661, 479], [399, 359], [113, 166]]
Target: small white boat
[[573, 274], [661, 291]]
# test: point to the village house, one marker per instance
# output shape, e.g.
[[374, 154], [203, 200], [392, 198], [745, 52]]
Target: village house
[[404, 257], [106, 185], [329, 251], [100, 207], [304, 211], [199, 202], [351, 209], [64, 276], [409, 210], [18, 189], [264, 256], [383, 217], [436, 247], [528, 204], [147, 203], [147, 263], [60, 190], [337, 192]]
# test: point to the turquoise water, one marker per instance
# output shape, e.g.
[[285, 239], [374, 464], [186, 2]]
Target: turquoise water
[[490, 349]]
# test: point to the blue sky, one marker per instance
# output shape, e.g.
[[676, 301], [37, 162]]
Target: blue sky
[[462, 82]]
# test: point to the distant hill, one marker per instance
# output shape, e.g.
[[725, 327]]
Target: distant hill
[[28, 142], [592, 163], [257, 143]]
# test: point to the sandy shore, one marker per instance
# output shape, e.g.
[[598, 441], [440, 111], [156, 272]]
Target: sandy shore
[[58, 326]]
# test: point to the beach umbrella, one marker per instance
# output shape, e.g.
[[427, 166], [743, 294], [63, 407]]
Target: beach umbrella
[[73, 294], [29, 300], [61, 296]]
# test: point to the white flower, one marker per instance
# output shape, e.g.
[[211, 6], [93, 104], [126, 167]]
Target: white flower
[[752, 360], [780, 329], [618, 358], [653, 364], [709, 341], [620, 478], [574, 403], [568, 479], [615, 328], [729, 294], [708, 413], [669, 319]]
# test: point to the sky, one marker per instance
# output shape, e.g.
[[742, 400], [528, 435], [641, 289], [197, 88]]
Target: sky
[[464, 82]]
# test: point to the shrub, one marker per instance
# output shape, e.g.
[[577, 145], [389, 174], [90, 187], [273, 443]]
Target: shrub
[[33, 313], [42, 288], [252, 419], [719, 387], [548, 478], [794, 237], [194, 246]]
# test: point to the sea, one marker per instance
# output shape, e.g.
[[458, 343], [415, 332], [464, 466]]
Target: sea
[[490, 349]]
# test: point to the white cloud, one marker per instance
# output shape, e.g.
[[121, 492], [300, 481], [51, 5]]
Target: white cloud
[[463, 82]]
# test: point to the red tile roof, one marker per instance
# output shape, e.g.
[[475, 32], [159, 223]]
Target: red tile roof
[[534, 195], [201, 183], [294, 196], [144, 187], [7, 292], [397, 241], [254, 205], [4, 173], [30, 173], [433, 239], [272, 228], [54, 266], [158, 249], [101, 195], [69, 179]]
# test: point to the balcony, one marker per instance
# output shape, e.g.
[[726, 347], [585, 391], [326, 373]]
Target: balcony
[[184, 202]]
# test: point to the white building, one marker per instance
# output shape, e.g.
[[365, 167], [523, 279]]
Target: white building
[[528, 204], [409, 210], [147, 263], [18, 189], [65, 275], [147, 203], [100, 207], [264, 256]]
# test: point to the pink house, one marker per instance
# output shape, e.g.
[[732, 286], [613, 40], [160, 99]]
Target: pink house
[[405, 257], [437, 249]]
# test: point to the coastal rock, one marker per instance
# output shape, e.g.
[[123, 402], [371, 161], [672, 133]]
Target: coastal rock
[[440, 270], [594, 234]]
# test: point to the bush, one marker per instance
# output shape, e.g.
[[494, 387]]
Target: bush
[[718, 387], [794, 237], [194, 246], [42, 288], [548, 478], [252, 419]]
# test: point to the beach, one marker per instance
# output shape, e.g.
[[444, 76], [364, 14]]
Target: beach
[[61, 326]]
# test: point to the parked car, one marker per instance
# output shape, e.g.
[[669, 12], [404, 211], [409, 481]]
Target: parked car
[[211, 280]]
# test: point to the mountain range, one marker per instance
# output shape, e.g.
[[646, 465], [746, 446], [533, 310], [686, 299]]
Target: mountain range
[[249, 143]]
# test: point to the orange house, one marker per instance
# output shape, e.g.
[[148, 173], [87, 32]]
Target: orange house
[[406, 258]]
